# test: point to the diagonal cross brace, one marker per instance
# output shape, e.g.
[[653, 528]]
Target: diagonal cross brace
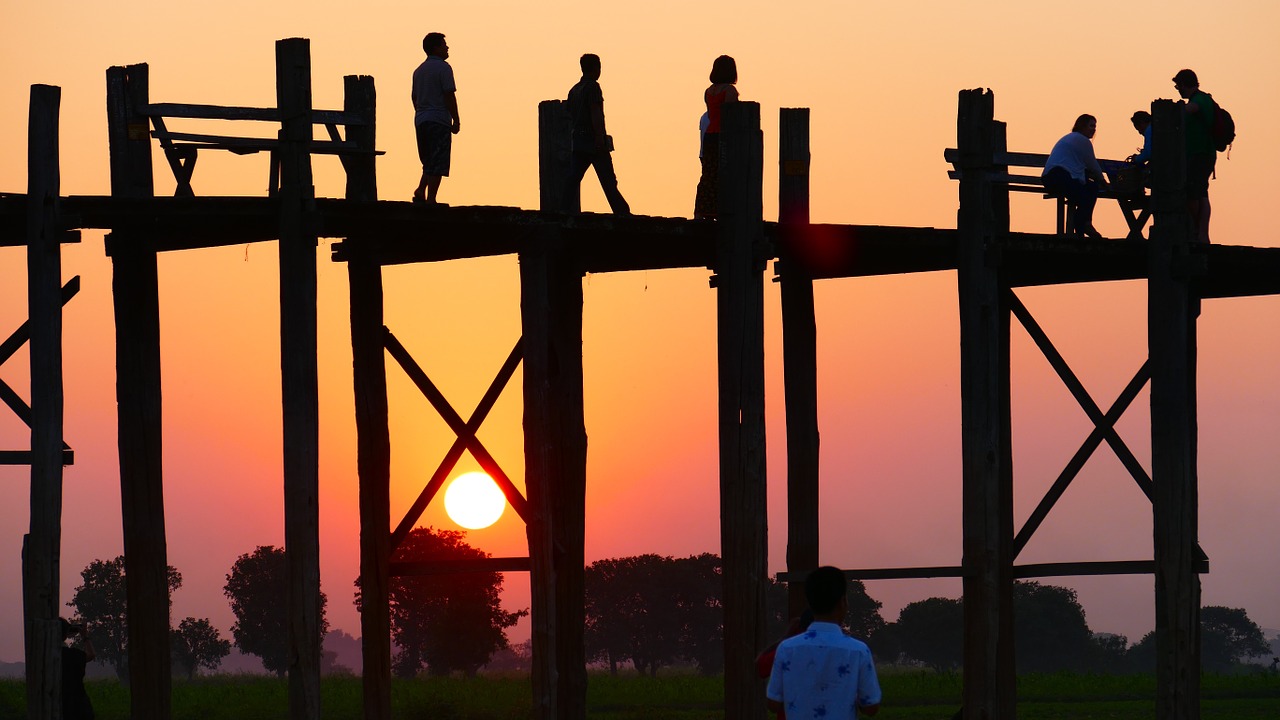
[[23, 333], [1104, 425], [1077, 390], [465, 430]]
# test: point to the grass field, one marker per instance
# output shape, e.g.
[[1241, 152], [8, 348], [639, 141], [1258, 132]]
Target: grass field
[[908, 696]]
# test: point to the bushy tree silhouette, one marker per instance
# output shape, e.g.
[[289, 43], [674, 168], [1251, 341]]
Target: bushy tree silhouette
[[100, 605], [257, 587], [197, 644], [445, 623]]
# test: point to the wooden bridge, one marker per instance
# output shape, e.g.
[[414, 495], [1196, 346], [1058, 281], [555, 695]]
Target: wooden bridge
[[555, 250]]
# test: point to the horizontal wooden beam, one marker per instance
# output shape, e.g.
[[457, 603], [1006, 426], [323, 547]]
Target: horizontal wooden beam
[[1022, 572], [226, 112], [23, 457], [405, 568], [244, 145]]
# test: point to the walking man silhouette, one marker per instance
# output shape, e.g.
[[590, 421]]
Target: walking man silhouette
[[591, 145]]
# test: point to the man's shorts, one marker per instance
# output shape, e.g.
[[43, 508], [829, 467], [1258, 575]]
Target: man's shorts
[[1199, 168], [435, 142]]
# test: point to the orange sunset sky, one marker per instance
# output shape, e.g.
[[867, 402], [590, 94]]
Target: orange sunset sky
[[881, 79]]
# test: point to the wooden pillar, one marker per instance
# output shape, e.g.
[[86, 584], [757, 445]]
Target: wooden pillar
[[799, 353], [41, 549], [555, 450], [1171, 339], [299, 384], [987, 495], [740, 358], [555, 135], [134, 287], [373, 439]]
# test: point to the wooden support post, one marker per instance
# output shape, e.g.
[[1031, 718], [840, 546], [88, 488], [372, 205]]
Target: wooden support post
[[1171, 339], [299, 383], [987, 495], [373, 439], [555, 136], [799, 352], [555, 453], [41, 549], [135, 290], [740, 358]]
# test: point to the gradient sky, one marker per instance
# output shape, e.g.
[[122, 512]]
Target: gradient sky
[[881, 80]]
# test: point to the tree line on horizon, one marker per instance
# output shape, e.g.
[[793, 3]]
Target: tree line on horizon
[[649, 611]]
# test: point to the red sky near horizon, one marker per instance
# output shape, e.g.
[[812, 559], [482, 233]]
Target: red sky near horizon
[[881, 83]]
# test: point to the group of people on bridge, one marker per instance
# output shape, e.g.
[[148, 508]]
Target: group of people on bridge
[[1072, 170], [436, 121]]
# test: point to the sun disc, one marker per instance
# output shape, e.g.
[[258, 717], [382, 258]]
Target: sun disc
[[474, 501]]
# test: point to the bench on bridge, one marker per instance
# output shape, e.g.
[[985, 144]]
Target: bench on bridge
[[1124, 188]]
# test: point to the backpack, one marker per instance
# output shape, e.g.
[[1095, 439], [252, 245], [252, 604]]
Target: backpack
[[1223, 132]]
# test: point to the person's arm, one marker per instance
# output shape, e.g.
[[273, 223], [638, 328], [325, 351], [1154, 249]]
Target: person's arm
[[1091, 167], [595, 104], [773, 705], [869, 710], [451, 100]]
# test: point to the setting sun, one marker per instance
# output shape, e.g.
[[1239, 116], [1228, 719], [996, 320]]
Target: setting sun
[[474, 501]]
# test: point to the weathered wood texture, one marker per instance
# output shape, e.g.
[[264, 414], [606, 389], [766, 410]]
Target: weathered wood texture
[[1171, 340], [555, 133], [555, 443], [299, 383], [987, 495], [740, 258], [41, 548], [134, 288], [800, 357], [373, 439]]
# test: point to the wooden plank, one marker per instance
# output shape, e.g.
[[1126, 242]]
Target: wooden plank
[[249, 144], [407, 568], [299, 376], [987, 494], [231, 112], [23, 457], [800, 364], [135, 293], [1171, 339], [41, 547], [740, 258]]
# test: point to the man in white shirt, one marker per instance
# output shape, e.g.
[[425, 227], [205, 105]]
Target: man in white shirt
[[435, 116], [823, 673]]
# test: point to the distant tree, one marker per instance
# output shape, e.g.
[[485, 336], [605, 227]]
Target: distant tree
[[633, 612], [447, 623], [931, 631], [100, 604], [1049, 629], [196, 644], [1110, 655], [257, 587], [513, 660], [698, 583], [1228, 636]]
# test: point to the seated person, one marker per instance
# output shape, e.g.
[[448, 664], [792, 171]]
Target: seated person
[[1142, 123], [1072, 172]]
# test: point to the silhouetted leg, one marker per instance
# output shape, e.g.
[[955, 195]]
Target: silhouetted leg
[[578, 164], [609, 183], [704, 204]]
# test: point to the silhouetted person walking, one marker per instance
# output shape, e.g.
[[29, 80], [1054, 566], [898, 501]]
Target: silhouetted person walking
[[1202, 156], [435, 105], [75, 701], [592, 146], [724, 75], [823, 673]]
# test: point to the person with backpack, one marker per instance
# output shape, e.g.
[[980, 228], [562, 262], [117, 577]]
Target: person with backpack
[[1202, 154]]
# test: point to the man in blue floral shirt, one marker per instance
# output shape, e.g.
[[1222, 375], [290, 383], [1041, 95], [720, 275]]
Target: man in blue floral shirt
[[823, 674]]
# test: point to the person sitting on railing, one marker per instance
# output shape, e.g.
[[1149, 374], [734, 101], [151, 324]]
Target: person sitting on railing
[[1072, 172], [1142, 123]]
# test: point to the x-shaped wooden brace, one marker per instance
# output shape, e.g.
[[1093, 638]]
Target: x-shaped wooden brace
[[466, 432], [182, 160], [1103, 425], [11, 398]]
